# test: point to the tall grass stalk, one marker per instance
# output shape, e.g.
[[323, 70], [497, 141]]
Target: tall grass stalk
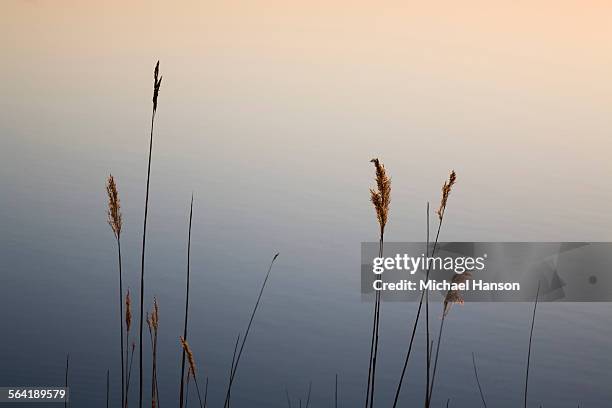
[[452, 297], [156, 84], [181, 395], [246, 335], [427, 341], [446, 189], [381, 199], [535, 306], [115, 220]]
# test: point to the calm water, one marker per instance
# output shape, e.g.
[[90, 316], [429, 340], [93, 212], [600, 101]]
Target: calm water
[[58, 292]]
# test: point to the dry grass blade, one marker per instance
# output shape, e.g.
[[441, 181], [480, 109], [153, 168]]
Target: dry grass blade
[[452, 297], [128, 311], [115, 220], [535, 307], [156, 85], [381, 197], [192, 367], [446, 190], [246, 334], [181, 392], [189, 353]]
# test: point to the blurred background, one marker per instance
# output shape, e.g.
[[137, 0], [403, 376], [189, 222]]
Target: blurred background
[[269, 112]]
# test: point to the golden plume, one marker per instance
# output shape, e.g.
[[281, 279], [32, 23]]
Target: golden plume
[[381, 197], [192, 366], [453, 296], [128, 311], [156, 84], [114, 207], [446, 189]]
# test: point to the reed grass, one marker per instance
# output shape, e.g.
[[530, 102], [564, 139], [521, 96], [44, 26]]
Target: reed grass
[[153, 324], [446, 190], [484, 402], [181, 397], [246, 335], [157, 79], [192, 367], [115, 220], [452, 297], [381, 199], [535, 306]]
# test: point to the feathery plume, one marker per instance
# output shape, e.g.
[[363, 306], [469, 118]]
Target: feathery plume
[[155, 315], [192, 366], [381, 197], [453, 296], [156, 84], [128, 311], [446, 189], [114, 207]]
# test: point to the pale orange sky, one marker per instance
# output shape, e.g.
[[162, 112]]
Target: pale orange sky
[[518, 91]]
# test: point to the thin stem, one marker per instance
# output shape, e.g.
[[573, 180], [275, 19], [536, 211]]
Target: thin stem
[[205, 392], [246, 334], [374, 351], [127, 353], [107, 387], [535, 306], [428, 363], [233, 361], [128, 378], [484, 403], [195, 380], [121, 319], [336, 393], [186, 302], [144, 232], [288, 399], [187, 392], [435, 367]]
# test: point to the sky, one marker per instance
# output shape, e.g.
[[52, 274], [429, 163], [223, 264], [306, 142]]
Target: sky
[[515, 96]]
